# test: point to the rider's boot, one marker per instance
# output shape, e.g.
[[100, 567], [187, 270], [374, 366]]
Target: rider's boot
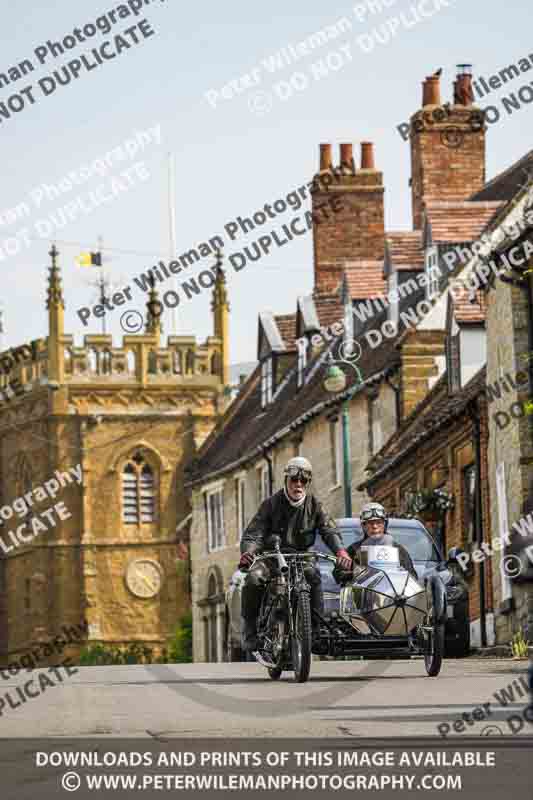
[[251, 601]]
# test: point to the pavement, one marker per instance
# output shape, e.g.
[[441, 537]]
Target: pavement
[[342, 698]]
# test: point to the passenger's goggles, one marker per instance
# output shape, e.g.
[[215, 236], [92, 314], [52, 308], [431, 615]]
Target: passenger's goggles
[[373, 513]]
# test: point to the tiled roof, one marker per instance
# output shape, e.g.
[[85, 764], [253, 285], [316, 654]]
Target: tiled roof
[[459, 221], [436, 410], [287, 327], [249, 426], [465, 310], [365, 279], [405, 248], [505, 185]]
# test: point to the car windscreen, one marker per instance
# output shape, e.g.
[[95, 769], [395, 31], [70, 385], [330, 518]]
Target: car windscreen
[[416, 541]]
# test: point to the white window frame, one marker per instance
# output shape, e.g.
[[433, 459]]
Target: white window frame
[[432, 286], [240, 485], [335, 451], [266, 382], [394, 307], [302, 360], [348, 328], [216, 540], [262, 482], [503, 522], [377, 430]]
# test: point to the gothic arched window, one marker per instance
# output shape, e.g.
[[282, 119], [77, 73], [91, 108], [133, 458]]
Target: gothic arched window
[[138, 492]]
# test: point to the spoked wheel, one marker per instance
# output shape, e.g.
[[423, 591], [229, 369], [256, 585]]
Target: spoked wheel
[[275, 651], [433, 644], [302, 639]]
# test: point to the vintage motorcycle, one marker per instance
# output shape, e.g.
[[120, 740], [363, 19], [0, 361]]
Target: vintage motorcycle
[[284, 630]]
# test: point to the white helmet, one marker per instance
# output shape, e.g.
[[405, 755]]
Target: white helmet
[[299, 467], [373, 511]]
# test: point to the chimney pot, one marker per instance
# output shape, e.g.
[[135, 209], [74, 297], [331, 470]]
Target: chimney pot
[[463, 89], [367, 155], [431, 91], [325, 156], [346, 154]]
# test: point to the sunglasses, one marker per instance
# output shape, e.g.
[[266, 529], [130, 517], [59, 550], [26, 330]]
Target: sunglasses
[[298, 479]]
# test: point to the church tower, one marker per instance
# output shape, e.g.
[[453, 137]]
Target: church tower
[[110, 427]]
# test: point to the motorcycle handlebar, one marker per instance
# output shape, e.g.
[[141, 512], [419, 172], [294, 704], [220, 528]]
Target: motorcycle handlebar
[[281, 557]]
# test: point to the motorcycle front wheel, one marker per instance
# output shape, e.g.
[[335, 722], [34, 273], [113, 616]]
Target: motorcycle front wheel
[[302, 638]]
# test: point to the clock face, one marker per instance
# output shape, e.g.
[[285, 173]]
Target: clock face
[[144, 577]]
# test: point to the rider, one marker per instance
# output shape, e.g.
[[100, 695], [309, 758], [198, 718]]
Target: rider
[[295, 515], [374, 522]]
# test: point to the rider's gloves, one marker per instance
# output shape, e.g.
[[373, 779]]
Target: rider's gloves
[[246, 560], [344, 562]]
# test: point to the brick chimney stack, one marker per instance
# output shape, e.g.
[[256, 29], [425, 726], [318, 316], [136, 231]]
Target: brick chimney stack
[[447, 145], [357, 231]]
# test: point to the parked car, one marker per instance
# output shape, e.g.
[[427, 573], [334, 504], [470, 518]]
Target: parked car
[[426, 559]]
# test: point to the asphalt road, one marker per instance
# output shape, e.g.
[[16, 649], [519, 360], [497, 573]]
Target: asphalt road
[[375, 698]]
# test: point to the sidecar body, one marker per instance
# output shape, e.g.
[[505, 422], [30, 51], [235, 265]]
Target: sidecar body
[[385, 612]]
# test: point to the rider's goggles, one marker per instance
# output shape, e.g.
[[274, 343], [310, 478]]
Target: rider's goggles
[[296, 472]]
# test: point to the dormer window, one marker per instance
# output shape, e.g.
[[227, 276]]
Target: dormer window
[[302, 359], [266, 382], [432, 272]]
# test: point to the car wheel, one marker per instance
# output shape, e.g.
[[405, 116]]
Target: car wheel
[[459, 645]]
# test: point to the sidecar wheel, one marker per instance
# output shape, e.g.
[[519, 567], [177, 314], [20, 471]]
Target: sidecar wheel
[[434, 650], [275, 673]]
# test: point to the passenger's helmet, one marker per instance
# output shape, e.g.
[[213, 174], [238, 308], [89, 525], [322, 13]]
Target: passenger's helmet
[[299, 467], [373, 511]]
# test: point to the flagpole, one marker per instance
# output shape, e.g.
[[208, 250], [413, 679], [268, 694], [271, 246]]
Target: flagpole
[[99, 248], [172, 230]]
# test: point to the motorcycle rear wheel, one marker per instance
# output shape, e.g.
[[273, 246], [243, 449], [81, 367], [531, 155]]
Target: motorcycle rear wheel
[[302, 639]]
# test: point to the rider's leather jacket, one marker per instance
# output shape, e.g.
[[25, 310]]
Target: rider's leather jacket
[[297, 527]]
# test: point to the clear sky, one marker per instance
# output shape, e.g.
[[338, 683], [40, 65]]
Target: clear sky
[[230, 160]]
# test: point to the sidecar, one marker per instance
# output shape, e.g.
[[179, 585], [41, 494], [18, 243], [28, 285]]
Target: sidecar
[[385, 612]]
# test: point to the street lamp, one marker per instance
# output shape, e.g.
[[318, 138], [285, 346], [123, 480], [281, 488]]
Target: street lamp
[[335, 382]]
